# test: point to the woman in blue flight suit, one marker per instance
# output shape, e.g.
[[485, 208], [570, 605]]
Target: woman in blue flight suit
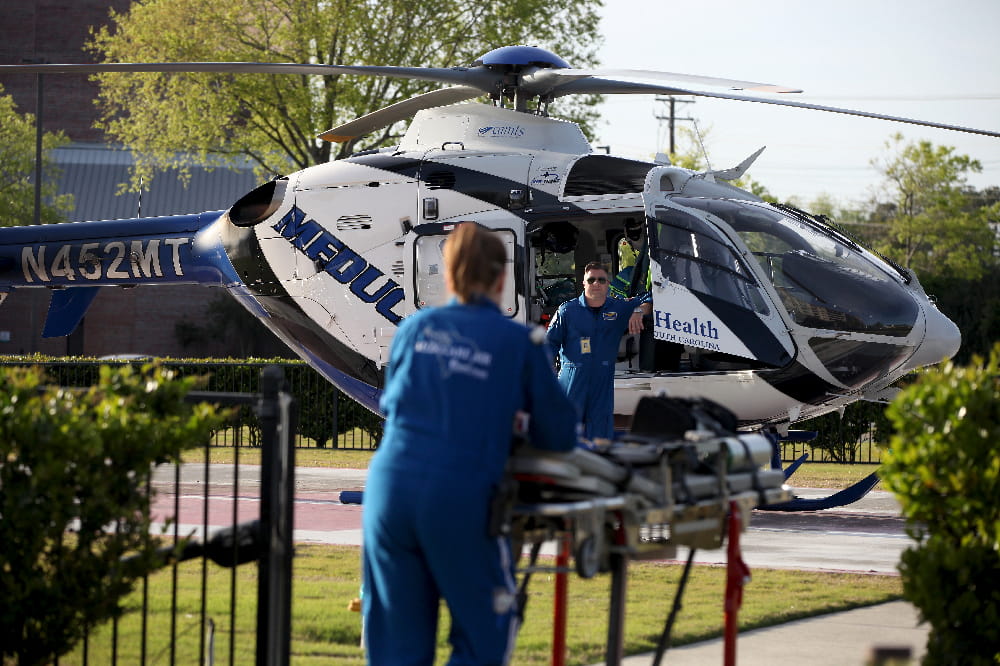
[[457, 375], [586, 333]]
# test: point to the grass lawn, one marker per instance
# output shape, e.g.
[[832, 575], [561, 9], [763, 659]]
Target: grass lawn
[[830, 475], [326, 578]]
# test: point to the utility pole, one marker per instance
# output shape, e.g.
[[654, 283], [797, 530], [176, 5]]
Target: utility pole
[[37, 216], [672, 118]]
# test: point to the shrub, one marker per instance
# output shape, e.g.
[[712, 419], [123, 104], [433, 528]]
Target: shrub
[[944, 469], [75, 468], [320, 403]]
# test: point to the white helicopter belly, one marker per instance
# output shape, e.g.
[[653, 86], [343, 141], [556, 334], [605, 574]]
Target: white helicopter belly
[[744, 392]]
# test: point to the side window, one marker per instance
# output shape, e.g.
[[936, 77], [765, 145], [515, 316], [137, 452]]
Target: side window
[[429, 286], [429, 271], [555, 264]]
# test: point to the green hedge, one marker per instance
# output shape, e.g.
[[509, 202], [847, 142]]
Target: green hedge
[[324, 413]]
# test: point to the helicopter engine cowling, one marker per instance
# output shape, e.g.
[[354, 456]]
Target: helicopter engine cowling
[[259, 204]]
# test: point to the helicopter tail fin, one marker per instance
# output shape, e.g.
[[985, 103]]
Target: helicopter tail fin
[[737, 171], [66, 309]]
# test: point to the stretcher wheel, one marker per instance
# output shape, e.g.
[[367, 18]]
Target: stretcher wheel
[[587, 562]]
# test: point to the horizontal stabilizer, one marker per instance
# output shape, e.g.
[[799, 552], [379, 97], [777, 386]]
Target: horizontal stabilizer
[[66, 309]]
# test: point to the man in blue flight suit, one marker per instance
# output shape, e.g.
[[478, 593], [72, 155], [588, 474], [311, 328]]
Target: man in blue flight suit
[[585, 333]]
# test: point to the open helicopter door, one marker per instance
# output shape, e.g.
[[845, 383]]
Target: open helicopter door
[[704, 294]]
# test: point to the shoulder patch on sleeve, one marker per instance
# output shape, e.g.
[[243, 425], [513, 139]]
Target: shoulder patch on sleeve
[[537, 335]]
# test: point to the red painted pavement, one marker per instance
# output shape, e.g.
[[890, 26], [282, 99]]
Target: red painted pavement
[[313, 511]]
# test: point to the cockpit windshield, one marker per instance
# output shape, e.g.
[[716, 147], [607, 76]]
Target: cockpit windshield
[[822, 279]]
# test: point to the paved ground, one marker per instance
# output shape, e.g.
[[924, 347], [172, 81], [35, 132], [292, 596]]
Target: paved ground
[[866, 536], [838, 639]]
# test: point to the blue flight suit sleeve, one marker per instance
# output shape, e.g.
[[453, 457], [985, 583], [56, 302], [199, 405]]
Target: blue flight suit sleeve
[[555, 335], [553, 416]]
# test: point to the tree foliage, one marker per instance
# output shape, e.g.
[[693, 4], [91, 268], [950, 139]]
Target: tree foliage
[[225, 319], [943, 468], [273, 119], [933, 222], [75, 496], [17, 169], [974, 306]]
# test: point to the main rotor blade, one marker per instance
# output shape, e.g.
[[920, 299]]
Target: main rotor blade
[[398, 111], [609, 87], [554, 75], [537, 82], [477, 77]]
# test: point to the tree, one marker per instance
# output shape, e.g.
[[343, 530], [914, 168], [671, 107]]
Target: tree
[[933, 224], [690, 149], [17, 168], [225, 319], [273, 119], [943, 468], [75, 497]]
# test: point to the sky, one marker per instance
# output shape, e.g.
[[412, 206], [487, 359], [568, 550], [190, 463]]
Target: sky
[[914, 58]]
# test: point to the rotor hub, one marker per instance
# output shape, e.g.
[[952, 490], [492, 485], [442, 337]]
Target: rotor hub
[[516, 58]]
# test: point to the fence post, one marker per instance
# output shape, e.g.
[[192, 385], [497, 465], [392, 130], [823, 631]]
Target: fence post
[[276, 411], [336, 418]]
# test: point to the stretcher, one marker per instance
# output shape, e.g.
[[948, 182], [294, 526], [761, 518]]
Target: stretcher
[[636, 498]]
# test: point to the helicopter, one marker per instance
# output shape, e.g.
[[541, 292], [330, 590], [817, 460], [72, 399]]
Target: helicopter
[[766, 309]]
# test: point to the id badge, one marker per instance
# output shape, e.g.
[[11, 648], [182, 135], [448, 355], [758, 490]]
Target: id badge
[[584, 345]]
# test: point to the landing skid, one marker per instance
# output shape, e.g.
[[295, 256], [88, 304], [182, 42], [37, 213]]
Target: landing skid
[[844, 497], [848, 495]]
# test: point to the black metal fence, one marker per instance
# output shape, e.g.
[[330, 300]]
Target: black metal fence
[[863, 451], [327, 417], [202, 607], [330, 419], [856, 436]]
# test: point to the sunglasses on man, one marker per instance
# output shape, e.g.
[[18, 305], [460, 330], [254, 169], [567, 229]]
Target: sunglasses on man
[[599, 280]]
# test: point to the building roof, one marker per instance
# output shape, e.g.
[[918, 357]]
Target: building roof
[[94, 173]]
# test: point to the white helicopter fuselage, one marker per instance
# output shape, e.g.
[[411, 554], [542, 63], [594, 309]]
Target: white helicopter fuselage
[[763, 309]]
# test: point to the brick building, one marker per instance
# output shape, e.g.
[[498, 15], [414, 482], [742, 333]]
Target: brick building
[[143, 319]]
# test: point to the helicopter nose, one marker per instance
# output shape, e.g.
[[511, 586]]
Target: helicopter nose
[[941, 341]]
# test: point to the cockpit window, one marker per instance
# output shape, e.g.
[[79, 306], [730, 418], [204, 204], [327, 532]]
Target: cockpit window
[[692, 253], [823, 281]]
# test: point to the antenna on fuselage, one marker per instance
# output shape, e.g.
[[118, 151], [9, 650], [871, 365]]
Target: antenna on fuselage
[[697, 133]]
